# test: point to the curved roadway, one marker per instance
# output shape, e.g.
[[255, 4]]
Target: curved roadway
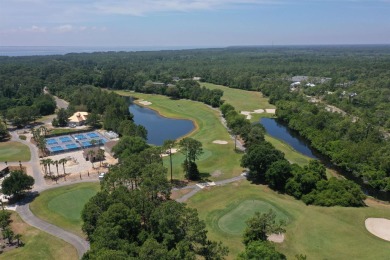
[[40, 185]]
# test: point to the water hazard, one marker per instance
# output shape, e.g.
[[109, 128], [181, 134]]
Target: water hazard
[[160, 128], [281, 132], [293, 139]]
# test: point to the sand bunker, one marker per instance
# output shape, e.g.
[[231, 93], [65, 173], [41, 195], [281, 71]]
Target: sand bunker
[[247, 114], [220, 142], [276, 238], [379, 227], [258, 111], [145, 103], [173, 150], [270, 110]]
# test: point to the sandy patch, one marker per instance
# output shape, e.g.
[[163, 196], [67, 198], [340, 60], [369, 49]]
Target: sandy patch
[[270, 110], [173, 151], [379, 227], [220, 142], [276, 238], [246, 113], [258, 111], [216, 173], [145, 103]]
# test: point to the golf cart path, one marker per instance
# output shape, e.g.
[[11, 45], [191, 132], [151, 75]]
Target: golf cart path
[[40, 185], [79, 243]]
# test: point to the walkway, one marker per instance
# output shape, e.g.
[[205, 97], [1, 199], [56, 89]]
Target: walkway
[[79, 243], [40, 185]]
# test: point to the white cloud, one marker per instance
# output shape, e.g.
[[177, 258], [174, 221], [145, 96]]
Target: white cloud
[[37, 29], [138, 8], [64, 28]]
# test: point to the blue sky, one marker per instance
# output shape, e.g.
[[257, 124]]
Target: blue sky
[[193, 22]]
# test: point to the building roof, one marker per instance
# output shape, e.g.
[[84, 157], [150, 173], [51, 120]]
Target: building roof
[[78, 117]]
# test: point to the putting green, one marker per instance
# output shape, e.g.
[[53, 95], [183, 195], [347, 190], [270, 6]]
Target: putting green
[[234, 221], [14, 151], [70, 204]]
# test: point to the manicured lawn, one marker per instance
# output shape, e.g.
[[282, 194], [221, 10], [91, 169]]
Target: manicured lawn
[[38, 244], [290, 154], [318, 232], [62, 206], [234, 218], [60, 131], [242, 100], [219, 161], [14, 152]]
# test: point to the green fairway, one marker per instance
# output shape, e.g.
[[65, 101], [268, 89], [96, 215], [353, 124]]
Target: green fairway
[[219, 161], [14, 152], [38, 244], [235, 215], [70, 204], [62, 206], [318, 232], [242, 100], [290, 154]]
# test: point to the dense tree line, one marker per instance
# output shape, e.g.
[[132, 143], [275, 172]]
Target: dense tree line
[[356, 146], [246, 68], [308, 183], [353, 141], [132, 217]]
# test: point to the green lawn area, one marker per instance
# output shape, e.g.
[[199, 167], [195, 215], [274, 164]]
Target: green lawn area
[[219, 161], [318, 232], [14, 152], [38, 244], [242, 100], [61, 131], [62, 206]]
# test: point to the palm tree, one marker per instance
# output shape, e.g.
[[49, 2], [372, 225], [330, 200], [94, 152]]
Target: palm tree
[[91, 154], [100, 155], [168, 145], [41, 143], [49, 162], [56, 162], [44, 163], [63, 161], [93, 142], [18, 237]]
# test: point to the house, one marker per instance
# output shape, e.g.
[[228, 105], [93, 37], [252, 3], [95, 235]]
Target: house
[[78, 119], [108, 147], [91, 154]]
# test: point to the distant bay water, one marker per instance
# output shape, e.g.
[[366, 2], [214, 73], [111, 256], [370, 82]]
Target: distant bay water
[[62, 50]]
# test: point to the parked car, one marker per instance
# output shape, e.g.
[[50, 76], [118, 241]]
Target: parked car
[[101, 176]]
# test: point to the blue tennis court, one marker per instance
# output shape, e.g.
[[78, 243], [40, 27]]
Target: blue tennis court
[[86, 143], [80, 137], [72, 146], [51, 141], [73, 142], [56, 148], [92, 135], [65, 139]]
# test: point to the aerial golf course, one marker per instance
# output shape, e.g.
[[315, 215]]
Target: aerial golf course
[[317, 232]]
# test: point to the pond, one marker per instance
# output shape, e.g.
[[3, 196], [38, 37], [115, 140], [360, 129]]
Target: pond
[[160, 128], [281, 132], [293, 139]]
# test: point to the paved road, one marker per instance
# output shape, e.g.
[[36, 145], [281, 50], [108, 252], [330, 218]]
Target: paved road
[[197, 188], [79, 243], [34, 161]]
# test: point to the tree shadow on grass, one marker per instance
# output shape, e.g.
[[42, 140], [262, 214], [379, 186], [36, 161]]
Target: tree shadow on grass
[[204, 176]]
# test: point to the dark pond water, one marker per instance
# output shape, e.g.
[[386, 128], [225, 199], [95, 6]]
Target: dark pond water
[[293, 139], [281, 132], [160, 128]]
